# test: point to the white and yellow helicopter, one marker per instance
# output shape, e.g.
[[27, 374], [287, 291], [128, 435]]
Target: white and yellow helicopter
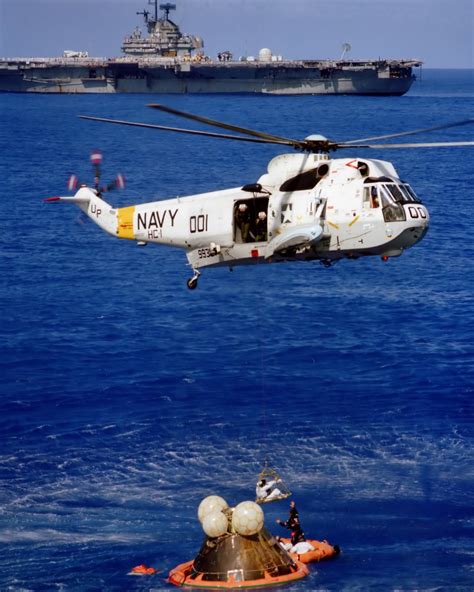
[[305, 207]]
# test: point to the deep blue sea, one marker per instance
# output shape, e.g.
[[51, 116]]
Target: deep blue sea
[[126, 398]]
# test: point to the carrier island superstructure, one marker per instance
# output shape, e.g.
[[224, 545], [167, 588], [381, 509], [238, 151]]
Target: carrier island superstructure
[[164, 60]]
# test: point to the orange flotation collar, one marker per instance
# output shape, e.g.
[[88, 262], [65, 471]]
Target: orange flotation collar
[[184, 575]]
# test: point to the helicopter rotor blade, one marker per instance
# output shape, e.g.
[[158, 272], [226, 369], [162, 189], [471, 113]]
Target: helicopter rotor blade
[[222, 125], [412, 145], [307, 145], [412, 132], [193, 132]]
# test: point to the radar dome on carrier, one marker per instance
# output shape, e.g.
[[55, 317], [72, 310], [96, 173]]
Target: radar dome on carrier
[[265, 55]]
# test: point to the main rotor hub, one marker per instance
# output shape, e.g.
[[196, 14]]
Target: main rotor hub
[[317, 144], [316, 138]]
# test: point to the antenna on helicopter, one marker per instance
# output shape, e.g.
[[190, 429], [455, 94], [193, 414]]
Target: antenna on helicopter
[[345, 48]]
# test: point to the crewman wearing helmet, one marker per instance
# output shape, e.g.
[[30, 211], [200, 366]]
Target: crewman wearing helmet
[[242, 219], [261, 227]]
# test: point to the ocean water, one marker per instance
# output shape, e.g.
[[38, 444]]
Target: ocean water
[[126, 398]]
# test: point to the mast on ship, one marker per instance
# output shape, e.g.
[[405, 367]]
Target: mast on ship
[[151, 22], [164, 37]]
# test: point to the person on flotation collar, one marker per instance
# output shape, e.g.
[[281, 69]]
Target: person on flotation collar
[[301, 547], [297, 543], [293, 521]]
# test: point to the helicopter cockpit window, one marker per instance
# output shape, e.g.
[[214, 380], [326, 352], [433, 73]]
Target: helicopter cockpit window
[[406, 194], [396, 193], [402, 193], [306, 180], [412, 193], [392, 211], [371, 198]]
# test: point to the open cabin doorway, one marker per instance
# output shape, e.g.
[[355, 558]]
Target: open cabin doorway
[[250, 226]]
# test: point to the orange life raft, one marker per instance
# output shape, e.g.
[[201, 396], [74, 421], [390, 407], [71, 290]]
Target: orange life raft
[[322, 550], [142, 570], [184, 575]]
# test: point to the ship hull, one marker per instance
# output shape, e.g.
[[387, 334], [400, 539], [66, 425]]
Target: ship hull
[[284, 78]]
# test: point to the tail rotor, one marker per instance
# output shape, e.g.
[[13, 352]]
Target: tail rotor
[[74, 183], [96, 159], [117, 183]]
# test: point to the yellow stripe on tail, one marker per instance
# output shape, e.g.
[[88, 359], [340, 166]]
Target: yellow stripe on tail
[[125, 222]]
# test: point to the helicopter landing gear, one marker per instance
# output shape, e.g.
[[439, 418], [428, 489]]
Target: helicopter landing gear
[[193, 282]]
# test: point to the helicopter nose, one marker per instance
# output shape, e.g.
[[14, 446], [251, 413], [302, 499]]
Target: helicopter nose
[[414, 235], [416, 225]]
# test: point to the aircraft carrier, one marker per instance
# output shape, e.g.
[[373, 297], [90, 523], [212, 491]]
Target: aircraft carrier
[[166, 61]]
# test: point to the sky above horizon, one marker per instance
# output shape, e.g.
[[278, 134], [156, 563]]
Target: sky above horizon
[[439, 32]]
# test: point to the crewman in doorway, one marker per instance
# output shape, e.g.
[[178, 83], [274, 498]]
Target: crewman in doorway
[[242, 219], [261, 227]]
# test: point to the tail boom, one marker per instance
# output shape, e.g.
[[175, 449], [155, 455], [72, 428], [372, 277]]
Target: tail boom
[[98, 210]]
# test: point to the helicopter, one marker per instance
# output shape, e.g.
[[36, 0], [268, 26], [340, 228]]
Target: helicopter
[[306, 206]]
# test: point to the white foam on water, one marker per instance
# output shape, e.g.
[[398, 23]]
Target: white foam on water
[[50, 536]]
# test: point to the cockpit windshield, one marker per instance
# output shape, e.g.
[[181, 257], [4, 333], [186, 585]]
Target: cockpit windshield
[[401, 193], [391, 208], [395, 192], [411, 193], [384, 192]]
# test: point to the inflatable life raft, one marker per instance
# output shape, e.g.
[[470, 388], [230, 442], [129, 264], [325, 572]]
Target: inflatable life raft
[[322, 550], [186, 576], [142, 570]]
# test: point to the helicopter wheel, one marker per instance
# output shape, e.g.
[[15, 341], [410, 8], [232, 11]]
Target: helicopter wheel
[[192, 283]]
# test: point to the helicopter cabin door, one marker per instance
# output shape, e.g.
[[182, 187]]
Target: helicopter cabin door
[[251, 220]]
